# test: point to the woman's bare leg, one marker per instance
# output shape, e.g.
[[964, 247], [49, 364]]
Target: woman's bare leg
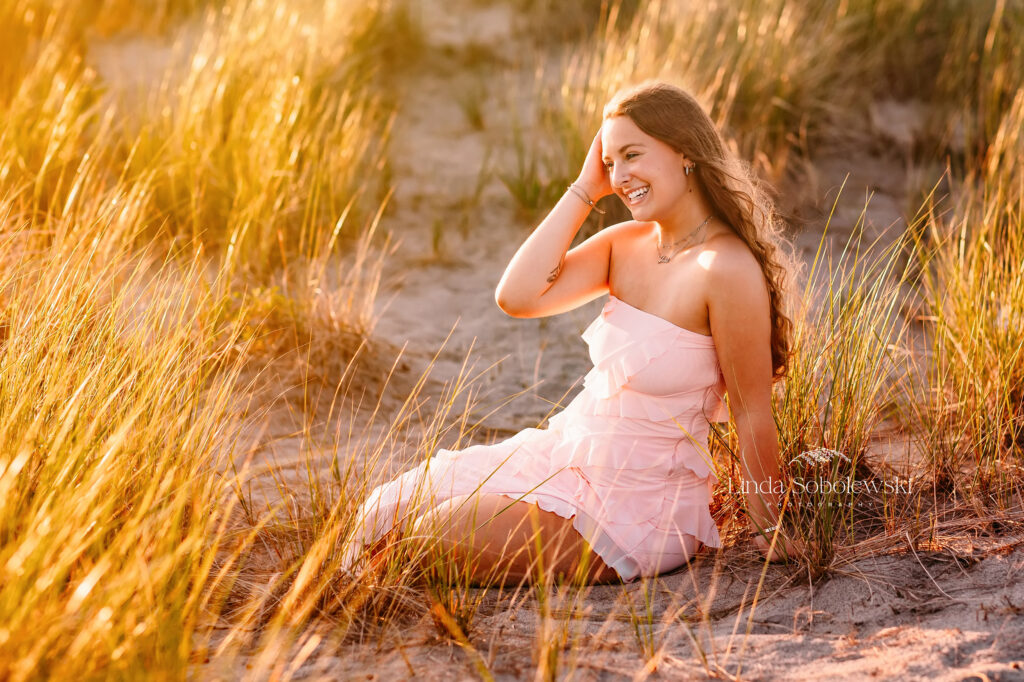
[[496, 539]]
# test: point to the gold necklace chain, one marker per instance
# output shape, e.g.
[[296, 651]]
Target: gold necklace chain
[[664, 259]]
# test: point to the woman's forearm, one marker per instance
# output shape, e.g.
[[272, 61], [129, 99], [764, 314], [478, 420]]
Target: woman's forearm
[[762, 478], [539, 260]]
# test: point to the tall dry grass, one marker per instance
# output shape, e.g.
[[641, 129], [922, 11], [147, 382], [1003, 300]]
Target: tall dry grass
[[971, 412], [261, 147], [116, 389], [145, 245]]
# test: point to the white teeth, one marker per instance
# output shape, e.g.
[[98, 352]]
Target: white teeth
[[637, 193]]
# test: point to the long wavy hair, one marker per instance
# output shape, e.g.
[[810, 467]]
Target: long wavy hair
[[670, 114]]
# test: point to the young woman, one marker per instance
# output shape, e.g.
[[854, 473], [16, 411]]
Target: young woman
[[619, 484]]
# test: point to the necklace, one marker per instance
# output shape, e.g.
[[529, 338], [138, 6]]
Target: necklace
[[684, 242]]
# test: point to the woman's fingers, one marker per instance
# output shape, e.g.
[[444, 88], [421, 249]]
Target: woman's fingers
[[784, 549], [593, 177]]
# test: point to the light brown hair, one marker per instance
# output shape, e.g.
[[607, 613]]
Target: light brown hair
[[670, 114]]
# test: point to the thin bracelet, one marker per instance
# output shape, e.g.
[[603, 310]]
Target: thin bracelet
[[584, 196]]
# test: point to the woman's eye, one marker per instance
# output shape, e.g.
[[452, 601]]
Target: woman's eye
[[629, 155]]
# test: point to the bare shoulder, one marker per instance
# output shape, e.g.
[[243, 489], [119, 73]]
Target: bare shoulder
[[739, 316], [730, 264], [622, 235], [627, 229], [633, 232]]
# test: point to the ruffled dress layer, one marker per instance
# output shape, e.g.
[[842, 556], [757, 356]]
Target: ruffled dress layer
[[626, 460]]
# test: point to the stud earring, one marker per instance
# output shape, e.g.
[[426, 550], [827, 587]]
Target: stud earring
[[687, 169]]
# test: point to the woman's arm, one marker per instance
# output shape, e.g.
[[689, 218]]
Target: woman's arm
[[740, 318], [542, 279], [541, 258]]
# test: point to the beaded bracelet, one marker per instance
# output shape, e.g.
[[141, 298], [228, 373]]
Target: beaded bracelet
[[572, 187]]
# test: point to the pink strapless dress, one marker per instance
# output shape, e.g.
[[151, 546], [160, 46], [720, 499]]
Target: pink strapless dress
[[626, 460]]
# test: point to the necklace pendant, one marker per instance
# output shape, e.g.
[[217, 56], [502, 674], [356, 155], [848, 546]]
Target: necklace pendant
[[663, 259]]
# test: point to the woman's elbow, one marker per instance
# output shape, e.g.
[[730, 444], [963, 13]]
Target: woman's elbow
[[505, 303], [509, 306]]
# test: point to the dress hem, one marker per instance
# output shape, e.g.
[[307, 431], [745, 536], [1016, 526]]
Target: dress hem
[[625, 566]]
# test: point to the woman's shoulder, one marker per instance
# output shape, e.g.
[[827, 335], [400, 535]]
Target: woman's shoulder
[[728, 255], [728, 246], [628, 233], [630, 228]]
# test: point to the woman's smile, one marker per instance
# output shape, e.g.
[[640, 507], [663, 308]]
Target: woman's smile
[[637, 195]]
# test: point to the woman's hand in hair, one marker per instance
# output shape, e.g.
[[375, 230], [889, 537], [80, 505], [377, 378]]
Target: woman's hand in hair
[[593, 178]]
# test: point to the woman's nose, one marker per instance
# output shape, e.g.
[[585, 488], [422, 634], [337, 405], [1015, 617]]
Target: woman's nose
[[619, 176]]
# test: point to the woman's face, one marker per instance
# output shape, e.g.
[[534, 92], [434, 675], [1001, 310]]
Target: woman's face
[[644, 172]]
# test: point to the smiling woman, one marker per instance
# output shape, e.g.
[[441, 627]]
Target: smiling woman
[[619, 484]]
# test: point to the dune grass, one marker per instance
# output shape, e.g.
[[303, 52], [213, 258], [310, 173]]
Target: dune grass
[[972, 416], [141, 248], [261, 151], [116, 386]]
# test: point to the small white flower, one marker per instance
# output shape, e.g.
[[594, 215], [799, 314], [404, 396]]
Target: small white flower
[[819, 456]]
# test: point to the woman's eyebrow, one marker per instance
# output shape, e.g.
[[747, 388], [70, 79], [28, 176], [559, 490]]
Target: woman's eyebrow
[[627, 146]]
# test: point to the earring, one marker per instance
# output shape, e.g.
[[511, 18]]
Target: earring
[[687, 169]]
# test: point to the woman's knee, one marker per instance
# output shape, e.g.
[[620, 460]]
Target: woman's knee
[[483, 523], [456, 524], [439, 518], [495, 533]]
